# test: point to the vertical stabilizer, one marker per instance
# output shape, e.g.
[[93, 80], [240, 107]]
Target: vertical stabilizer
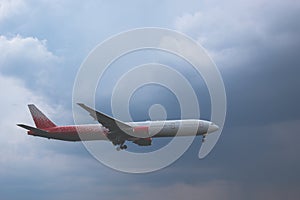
[[40, 120]]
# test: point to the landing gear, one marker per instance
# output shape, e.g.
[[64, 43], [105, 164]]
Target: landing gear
[[121, 147], [118, 141], [203, 138]]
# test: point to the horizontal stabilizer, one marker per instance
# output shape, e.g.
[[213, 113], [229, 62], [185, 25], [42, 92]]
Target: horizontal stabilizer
[[35, 130]]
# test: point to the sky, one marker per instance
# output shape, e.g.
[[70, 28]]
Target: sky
[[255, 45]]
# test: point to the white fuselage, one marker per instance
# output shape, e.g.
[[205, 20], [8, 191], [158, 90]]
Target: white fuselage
[[144, 129]]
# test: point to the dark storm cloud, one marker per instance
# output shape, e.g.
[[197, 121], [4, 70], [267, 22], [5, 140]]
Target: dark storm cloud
[[260, 68], [268, 77], [256, 47]]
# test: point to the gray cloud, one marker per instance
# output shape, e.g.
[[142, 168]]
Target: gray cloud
[[255, 44]]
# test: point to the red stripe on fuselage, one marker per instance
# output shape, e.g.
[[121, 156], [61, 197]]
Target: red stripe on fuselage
[[140, 128], [71, 133]]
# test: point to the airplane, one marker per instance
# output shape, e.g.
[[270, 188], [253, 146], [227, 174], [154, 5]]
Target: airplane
[[116, 131]]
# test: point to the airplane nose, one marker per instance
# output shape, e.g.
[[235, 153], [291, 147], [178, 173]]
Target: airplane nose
[[212, 128]]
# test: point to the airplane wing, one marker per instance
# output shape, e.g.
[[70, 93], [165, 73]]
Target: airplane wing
[[107, 121], [117, 129]]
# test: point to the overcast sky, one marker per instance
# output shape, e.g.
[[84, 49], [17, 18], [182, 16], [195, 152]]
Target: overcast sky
[[256, 46]]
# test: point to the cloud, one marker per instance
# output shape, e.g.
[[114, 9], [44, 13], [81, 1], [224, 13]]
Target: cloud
[[33, 165], [14, 142], [27, 161], [9, 8], [209, 190], [189, 22], [30, 60], [27, 58], [26, 48], [229, 31], [254, 43]]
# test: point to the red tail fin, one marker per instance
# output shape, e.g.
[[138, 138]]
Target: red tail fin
[[40, 120]]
